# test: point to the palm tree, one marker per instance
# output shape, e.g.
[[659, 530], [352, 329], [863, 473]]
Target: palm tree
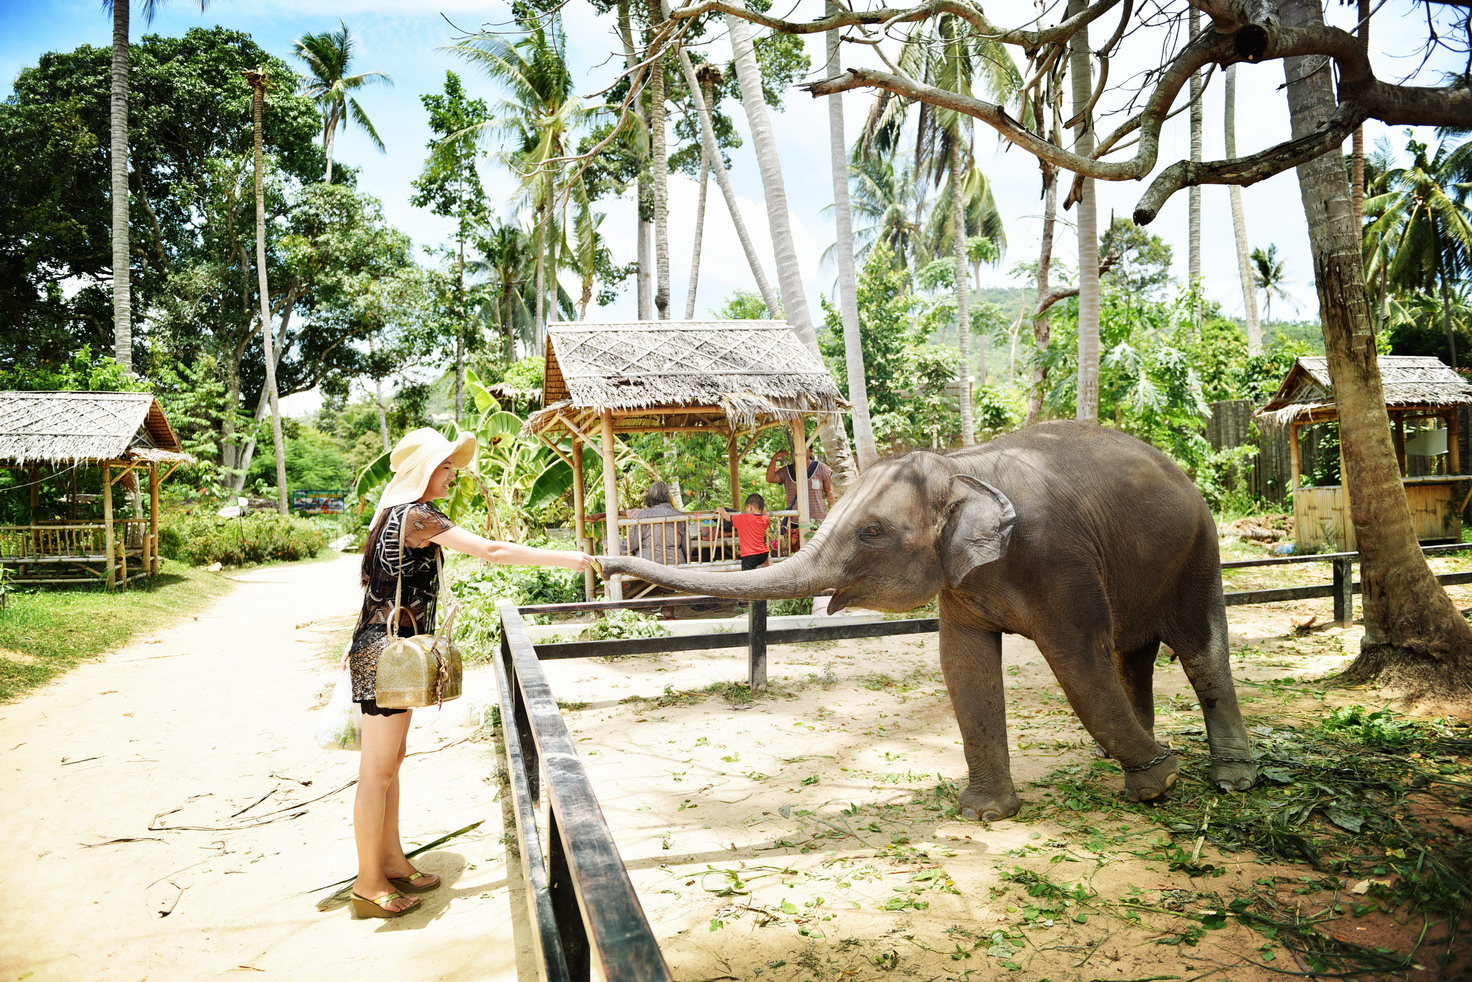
[[660, 160], [1269, 273], [948, 54], [884, 195], [540, 119], [1239, 220], [1080, 71], [1421, 217], [122, 282], [508, 261], [848, 304], [789, 274], [709, 76], [327, 56], [1193, 204]]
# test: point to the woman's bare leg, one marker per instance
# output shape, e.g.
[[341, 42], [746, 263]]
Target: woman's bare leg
[[383, 742], [394, 862]]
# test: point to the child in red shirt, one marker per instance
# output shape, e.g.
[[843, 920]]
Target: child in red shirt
[[751, 531]]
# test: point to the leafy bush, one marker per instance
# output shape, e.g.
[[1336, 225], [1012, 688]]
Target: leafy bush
[[258, 537], [617, 624], [1377, 728], [797, 605], [477, 626]]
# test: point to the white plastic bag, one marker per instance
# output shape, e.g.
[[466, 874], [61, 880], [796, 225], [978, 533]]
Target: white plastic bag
[[338, 723]]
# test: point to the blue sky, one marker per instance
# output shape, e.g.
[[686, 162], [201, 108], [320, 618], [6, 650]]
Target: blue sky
[[403, 38]]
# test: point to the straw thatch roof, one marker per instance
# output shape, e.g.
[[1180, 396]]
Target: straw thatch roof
[[742, 373], [76, 427], [1410, 382]]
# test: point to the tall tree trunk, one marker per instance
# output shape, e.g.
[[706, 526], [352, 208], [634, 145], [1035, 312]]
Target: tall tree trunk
[[122, 284], [661, 174], [699, 236], [257, 79], [460, 328], [1193, 243], [723, 180], [1080, 73], [329, 134], [643, 202], [1357, 154], [1415, 639], [1239, 221], [789, 274], [848, 302], [1041, 327], [539, 322], [963, 291]]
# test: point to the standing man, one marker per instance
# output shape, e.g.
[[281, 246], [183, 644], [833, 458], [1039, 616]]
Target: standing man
[[819, 483]]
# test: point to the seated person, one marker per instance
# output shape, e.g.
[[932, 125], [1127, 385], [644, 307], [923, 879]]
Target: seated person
[[661, 542]]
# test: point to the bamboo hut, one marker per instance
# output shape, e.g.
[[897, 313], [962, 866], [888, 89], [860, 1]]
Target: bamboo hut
[[1423, 397], [731, 378], [47, 438]]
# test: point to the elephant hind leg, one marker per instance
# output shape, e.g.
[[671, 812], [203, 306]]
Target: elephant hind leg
[[1137, 674], [1206, 660]]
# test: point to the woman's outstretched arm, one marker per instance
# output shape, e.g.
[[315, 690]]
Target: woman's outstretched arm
[[512, 553]]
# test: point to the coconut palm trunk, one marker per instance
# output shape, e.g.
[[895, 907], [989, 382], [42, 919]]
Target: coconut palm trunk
[[1193, 204], [1239, 220], [660, 155], [257, 81], [1080, 71], [122, 287], [963, 288], [703, 108], [695, 246], [789, 273], [848, 303], [1415, 638]]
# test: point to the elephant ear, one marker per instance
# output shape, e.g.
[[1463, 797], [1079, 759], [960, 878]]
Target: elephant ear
[[978, 528]]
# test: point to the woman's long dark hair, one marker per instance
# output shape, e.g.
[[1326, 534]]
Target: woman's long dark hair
[[370, 545]]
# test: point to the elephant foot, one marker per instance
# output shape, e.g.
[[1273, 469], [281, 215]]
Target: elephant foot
[[1152, 782], [1232, 766], [979, 806]]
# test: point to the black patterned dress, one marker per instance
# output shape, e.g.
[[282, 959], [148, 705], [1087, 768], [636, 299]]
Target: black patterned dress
[[404, 542]]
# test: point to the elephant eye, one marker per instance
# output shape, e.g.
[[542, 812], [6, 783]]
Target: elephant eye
[[871, 531]]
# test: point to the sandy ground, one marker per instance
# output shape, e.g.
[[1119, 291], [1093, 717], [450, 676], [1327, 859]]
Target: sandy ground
[[168, 816], [171, 817]]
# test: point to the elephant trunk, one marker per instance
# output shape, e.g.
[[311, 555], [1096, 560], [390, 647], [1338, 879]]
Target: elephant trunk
[[800, 576]]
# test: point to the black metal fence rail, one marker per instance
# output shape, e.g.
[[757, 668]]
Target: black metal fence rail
[[585, 913]]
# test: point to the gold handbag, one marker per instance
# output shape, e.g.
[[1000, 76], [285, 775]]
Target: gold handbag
[[419, 670]]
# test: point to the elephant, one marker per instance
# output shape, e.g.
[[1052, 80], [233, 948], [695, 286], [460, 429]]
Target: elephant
[[1091, 543]]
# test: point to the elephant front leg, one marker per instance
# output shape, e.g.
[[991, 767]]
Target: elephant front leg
[[971, 661]]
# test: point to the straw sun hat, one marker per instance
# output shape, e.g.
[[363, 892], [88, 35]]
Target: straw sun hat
[[415, 458]]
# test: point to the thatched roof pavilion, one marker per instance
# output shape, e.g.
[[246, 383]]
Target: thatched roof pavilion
[[119, 432], [1411, 382], [1420, 392], [734, 378]]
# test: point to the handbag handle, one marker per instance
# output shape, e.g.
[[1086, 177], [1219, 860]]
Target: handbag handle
[[393, 612]]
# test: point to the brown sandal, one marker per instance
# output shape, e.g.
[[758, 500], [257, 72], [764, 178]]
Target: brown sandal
[[363, 907], [412, 884]]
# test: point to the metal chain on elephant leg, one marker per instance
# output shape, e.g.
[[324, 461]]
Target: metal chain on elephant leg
[[1164, 755]]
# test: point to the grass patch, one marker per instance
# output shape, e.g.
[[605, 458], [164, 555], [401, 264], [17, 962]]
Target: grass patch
[[45, 632], [1362, 798]]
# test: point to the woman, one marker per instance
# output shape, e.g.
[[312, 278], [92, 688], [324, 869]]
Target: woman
[[406, 539]]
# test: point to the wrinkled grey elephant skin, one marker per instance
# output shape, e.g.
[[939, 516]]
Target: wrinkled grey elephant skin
[[1091, 543]]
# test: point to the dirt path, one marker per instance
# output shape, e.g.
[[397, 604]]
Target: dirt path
[[171, 818], [167, 815]]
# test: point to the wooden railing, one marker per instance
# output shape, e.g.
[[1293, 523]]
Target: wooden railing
[[69, 540], [697, 538]]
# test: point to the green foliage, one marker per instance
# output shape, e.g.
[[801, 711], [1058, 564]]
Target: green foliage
[[525, 374], [58, 627], [256, 537], [1141, 258], [81, 373], [1378, 728], [744, 305], [795, 605], [314, 460], [617, 624], [477, 625]]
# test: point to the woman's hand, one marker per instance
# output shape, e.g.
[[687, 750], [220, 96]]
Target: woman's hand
[[578, 562]]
